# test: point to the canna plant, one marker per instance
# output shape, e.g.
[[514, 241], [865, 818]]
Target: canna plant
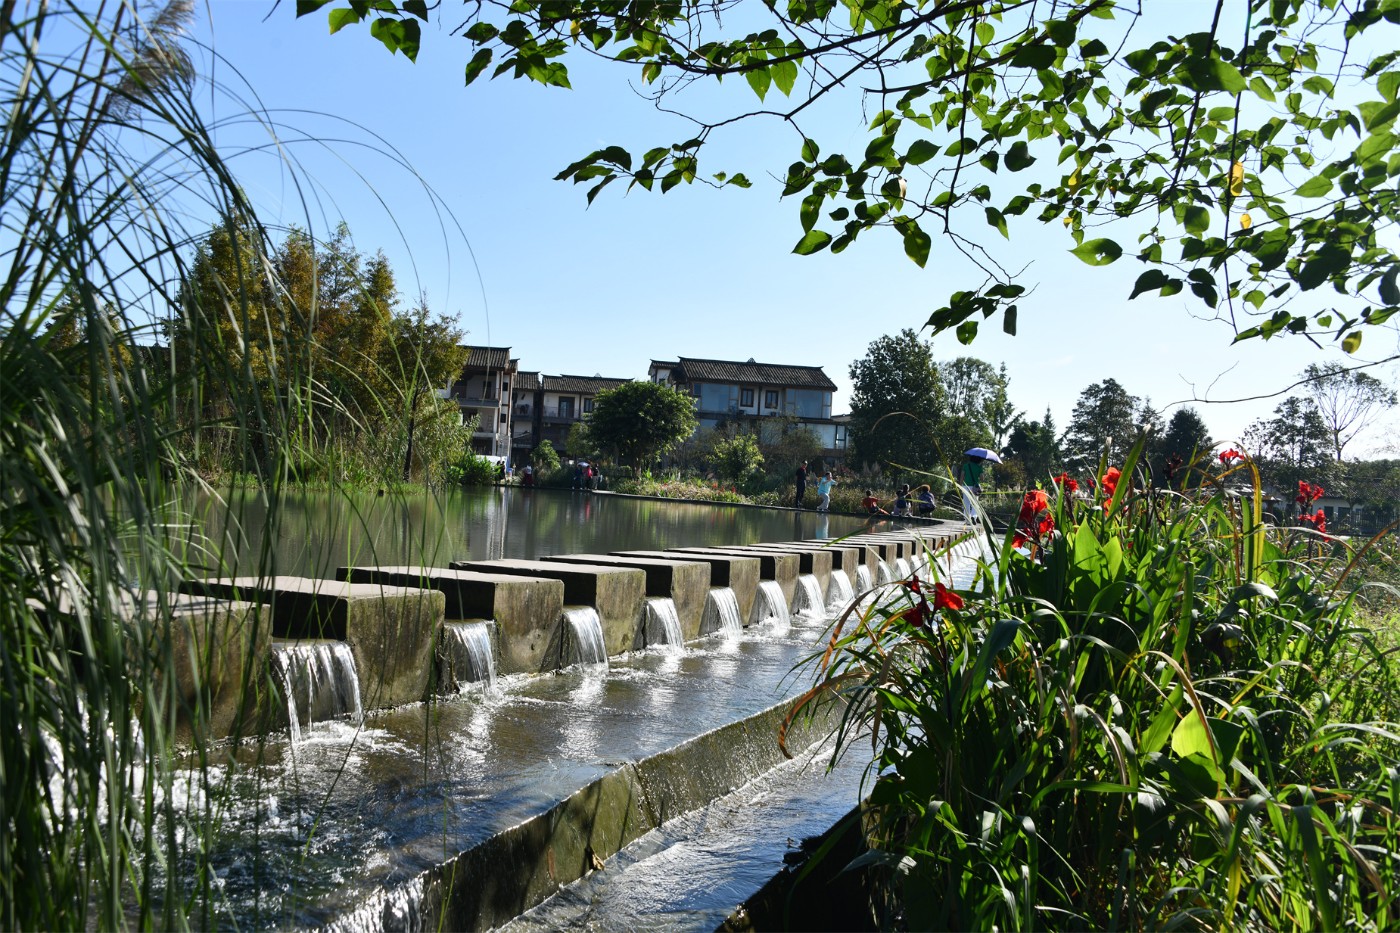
[[1151, 710]]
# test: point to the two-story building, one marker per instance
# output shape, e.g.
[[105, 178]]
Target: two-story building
[[484, 389], [767, 396], [546, 407]]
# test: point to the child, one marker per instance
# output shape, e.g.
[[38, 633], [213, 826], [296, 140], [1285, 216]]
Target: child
[[824, 490], [901, 501], [871, 504]]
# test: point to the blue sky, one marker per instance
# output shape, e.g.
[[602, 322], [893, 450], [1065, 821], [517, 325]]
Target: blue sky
[[456, 185]]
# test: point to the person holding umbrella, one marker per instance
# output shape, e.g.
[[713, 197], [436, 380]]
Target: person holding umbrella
[[970, 476]]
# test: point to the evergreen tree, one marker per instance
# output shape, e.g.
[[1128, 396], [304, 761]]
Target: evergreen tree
[[1105, 419], [897, 404]]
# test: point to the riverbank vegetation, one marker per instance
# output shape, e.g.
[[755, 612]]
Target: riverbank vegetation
[[1151, 710]]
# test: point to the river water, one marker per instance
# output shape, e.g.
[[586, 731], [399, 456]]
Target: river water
[[315, 533]]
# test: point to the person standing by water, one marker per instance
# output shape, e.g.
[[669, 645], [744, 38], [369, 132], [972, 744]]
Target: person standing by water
[[801, 483], [824, 486]]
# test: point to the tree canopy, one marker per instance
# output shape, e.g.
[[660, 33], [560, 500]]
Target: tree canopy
[[1244, 153], [897, 404], [640, 421], [1104, 420], [1347, 400]]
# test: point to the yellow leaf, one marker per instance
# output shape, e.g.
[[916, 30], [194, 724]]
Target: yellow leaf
[[574, 29], [1237, 179], [1074, 179], [1067, 220], [1246, 221]]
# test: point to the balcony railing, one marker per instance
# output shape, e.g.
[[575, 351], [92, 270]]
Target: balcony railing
[[560, 414]]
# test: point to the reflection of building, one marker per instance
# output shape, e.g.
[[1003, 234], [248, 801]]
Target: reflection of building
[[484, 389], [752, 393], [546, 407]]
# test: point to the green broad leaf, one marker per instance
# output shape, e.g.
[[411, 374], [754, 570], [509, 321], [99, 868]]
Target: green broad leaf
[[810, 150], [811, 207], [986, 32], [1008, 321], [1093, 49], [740, 180], [1018, 157], [1390, 287], [1197, 219], [1374, 146], [1098, 252], [1190, 737], [1382, 117], [391, 32], [1037, 57], [814, 241], [1318, 85], [1352, 342], [481, 32], [784, 76], [966, 332], [1213, 74], [650, 72], [1326, 262], [1314, 187], [920, 152], [960, 146], [342, 17], [309, 6], [418, 8], [1388, 84], [1149, 280], [917, 244], [995, 219], [1261, 89], [759, 79]]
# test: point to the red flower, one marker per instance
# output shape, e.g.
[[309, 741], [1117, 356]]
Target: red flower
[[1070, 486], [944, 598], [1110, 480], [1307, 493], [1047, 525], [1019, 540], [1318, 520], [1035, 502], [1229, 456]]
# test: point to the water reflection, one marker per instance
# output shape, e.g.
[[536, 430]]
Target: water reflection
[[312, 534]]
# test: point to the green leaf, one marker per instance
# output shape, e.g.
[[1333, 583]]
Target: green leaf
[[482, 32], [1383, 117], [1388, 84], [1098, 252], [1314, 187], [1197, 219], [1018, 157], [917, 244], [1152, 278], [811, 207], [478, 64], [1390, 288], [759, 79], [810, 150], [418, 8], [342, 17], [920, 152], [1325, 263], [1261, 89], [784, 76], [1213, 74], [1037, 57], [966, 332], [1008, 321], [650, 72], [995, 219], [309, 6], [1352, 342], [814, 241]]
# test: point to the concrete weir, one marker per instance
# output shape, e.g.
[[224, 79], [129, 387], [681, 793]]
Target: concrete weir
[[685, 582], [618, 593], [740, 574], [392, 630], [525, 609], [209, 645], [771, 566]]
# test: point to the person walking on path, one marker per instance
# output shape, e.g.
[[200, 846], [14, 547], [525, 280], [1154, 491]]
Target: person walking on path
[[801, 483], [824, 490]]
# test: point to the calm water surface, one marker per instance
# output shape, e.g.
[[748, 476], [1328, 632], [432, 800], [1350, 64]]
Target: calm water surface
[[316, 533]]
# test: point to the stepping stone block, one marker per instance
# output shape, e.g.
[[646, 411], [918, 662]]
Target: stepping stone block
[[771, 565], [686, 582], [740, 574]]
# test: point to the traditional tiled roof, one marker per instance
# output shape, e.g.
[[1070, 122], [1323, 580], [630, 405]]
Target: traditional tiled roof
[[584, 385], [527, 380], [488, 358], [664, 364], [772, 374]]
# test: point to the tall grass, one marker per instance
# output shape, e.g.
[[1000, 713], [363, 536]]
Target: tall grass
[[1158, 713]]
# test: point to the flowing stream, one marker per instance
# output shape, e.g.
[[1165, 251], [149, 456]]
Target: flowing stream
[[722, 613]]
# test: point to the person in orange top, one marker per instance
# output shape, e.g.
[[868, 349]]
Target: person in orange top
[[871, 504]]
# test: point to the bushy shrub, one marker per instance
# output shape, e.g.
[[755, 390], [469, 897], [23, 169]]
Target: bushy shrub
[[472, 470]]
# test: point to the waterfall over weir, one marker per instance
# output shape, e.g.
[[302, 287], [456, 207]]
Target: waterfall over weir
[[808, 601], [863, 581], [839, 593], [318, 680], [722, 613], [663, 624], [885, 575], [901, 569], [770, 605], [467, 648], [584, 636]]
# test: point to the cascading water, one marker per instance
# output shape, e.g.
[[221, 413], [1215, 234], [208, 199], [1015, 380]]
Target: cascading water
[[808, 601], [467, 650], [770, 605], [663, 624], [863, 581], [838, 592], [722, 613], [901, 569], [584, 636], [322, 673], [885, 574]]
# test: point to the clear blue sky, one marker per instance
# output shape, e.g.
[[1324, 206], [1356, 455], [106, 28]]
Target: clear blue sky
[[456, 185]]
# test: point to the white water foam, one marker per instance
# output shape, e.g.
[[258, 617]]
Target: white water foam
[[663, 628], [839, 592], [863, 580], [722, 613], [467, 649], [584, 636], [808, 601], [323, 674], [884, 574], [769, 606], [901, 569]]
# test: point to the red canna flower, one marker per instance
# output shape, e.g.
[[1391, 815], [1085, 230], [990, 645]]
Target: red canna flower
[[1070, 486], [1318, 520], [944, 598], [1110, 480], [1229, 456], [1019, 540], [1035, 502], [1047, 525]]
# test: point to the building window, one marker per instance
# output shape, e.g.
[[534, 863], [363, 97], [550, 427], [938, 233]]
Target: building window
[[746, 398], [566, 408], [503, 417], [770, 398], [587, 405]]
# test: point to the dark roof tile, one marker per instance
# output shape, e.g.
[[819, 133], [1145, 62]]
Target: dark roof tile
[[582, 384], [773, 374]]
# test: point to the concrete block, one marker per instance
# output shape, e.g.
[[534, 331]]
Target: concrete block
[[525, 609], [686, 582], [740, 574], [618, 593], [392, 630], [771, 565], [814, 560]]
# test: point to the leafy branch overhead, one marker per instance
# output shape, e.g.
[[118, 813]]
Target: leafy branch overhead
[[1244, 152]]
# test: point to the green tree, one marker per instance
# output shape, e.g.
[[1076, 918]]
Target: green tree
[[897, 402], [785, 442], [736, 458], [1194, 135], [1347, 400], [579, 443], [1291, 446], [1105, 418], [1002, 416], [1186, 436], [641, 421], [1035, 448], [544, 458]]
